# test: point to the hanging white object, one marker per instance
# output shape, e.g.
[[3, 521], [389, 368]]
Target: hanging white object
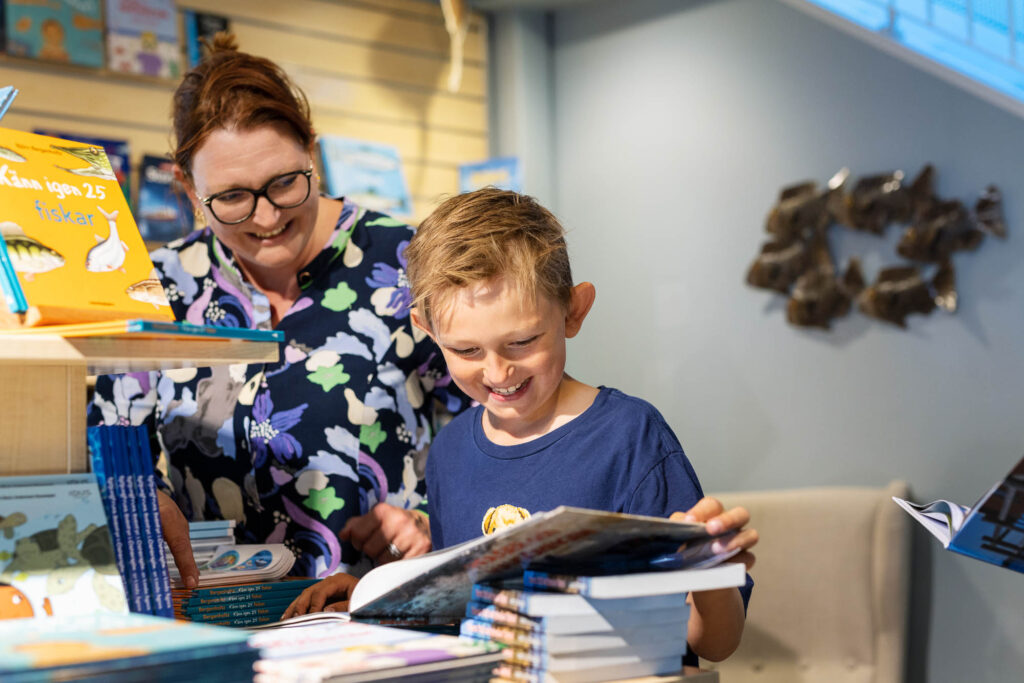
[[457, 25]]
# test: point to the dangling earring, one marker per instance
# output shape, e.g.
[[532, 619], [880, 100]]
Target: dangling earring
[[200, 217]]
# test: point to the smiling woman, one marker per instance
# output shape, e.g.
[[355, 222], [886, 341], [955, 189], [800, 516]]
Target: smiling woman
[[325, 450]]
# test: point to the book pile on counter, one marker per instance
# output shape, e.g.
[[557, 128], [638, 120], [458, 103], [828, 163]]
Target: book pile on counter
[[239, 605], [330, 647], [122, 647], [571, 629], [239, 585]]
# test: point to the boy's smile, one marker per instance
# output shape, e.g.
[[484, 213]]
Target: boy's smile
[[508, 353]]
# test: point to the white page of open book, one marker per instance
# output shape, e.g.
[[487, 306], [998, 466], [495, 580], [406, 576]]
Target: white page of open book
[[941, 517]]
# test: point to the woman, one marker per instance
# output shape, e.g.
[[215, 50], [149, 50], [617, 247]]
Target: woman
[[332, 438]]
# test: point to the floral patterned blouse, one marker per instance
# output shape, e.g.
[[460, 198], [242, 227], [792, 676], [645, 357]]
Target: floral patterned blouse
[[292, 449]]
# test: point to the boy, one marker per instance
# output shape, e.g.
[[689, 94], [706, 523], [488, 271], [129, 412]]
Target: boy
[[492, 286]]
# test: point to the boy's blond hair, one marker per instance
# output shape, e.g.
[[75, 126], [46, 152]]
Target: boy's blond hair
[[482, 235]]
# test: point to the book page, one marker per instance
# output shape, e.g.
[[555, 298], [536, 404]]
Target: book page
[[941, 518], [439, 584]]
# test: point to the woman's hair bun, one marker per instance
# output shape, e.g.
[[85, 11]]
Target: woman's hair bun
[[222, 41]]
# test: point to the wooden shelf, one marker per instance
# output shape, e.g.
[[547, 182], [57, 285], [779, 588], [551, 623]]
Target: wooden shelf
[[43, 385]]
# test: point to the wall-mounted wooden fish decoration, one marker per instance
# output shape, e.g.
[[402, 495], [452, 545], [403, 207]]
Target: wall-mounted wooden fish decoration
[[898, 292], [796, 260], [819, 296], [943, 228]]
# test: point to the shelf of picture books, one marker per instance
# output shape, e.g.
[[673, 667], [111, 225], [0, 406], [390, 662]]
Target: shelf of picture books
[[137, 39], [80, 297]]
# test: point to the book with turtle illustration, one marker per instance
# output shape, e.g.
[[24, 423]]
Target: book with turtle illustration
[[56, 554], [71, 251]]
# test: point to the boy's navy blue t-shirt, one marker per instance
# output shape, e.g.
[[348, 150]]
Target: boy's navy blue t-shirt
[[619, 455]]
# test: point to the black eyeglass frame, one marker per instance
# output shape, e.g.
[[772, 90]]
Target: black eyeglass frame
[[262, 192]]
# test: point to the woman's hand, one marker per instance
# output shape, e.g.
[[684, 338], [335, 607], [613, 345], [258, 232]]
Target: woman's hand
[[175, 530], [719, 520], [387, 533], [337, 588]]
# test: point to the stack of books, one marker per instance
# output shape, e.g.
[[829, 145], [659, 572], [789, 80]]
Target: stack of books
[[123, 466], [122, 647], [572, 628], [240, 605], [330, 647], [205, 538]]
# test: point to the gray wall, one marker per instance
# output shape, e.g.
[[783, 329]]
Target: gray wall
[[674, 125]]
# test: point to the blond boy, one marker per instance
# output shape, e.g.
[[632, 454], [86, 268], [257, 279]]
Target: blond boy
[[492, 285]]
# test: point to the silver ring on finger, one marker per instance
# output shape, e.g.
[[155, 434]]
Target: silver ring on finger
[[394, 552]]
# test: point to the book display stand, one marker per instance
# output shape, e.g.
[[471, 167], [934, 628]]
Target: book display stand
[[43, 380]]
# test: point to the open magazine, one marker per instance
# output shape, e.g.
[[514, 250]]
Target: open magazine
[[439, 584], [991, 530]]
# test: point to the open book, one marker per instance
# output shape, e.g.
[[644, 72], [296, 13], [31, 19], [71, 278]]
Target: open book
[[992, 530], [440, 583]]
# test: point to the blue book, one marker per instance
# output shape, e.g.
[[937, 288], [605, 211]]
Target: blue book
[[67, 31], [98, 442], [8, 92], [107, 644], [502, 172], [14, 295], [368, 173], [145, 477], [991, 530], [153, 329], [163, 212], [119, 452]]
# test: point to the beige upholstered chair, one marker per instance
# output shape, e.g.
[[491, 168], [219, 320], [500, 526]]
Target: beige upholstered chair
[[831, 591]]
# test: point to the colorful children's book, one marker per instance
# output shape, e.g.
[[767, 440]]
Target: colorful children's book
[[440, 583], [342, 651], [633, 669], [152, 329], [56, 554], [368, 173], [671, 636], [118, 153], [163, 209], [201, 25], [142, 37], [247, 562], [69, 31], [111, 647], [69, 237], [502, 172], [991, 530]]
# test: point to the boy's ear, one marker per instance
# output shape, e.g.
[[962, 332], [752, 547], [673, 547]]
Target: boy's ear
[[583, 296], [420, 322]]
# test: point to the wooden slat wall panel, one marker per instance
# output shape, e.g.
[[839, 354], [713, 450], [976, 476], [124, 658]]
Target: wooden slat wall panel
[[370, 63], [372, 70], [412, 32]]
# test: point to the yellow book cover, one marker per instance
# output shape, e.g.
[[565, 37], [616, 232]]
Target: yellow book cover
[[73, 251]]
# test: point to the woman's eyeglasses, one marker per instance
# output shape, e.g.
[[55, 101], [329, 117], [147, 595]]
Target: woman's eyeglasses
[[237, 205]]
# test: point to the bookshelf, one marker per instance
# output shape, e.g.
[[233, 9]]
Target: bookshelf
[[43, 388]]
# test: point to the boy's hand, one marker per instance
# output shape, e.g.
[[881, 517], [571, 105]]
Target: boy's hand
[[719, 520], [387, 533], [314, 599]]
